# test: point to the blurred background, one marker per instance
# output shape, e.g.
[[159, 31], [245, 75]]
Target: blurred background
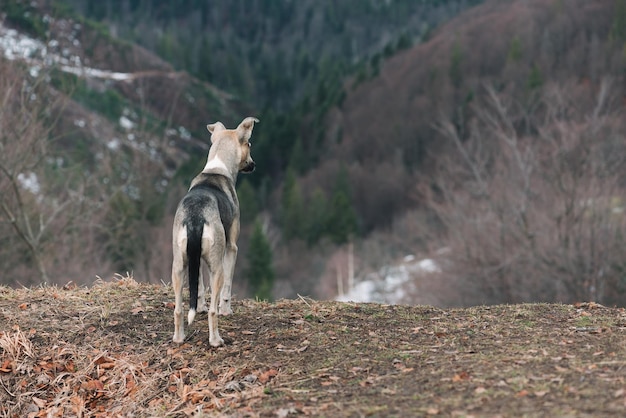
[[450, 152]]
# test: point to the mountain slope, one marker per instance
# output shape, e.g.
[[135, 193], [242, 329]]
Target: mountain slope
[[101, 127], [387, 125]]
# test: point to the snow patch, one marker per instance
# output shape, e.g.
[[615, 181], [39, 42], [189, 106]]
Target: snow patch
[[390, 284], [17, 46], [29, 182], [113, 144], [126, 123]]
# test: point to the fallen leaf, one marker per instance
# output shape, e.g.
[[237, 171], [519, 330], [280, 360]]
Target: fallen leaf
[[266, 376], [521, 393], [107, 366], [366, 382], [480, 390], [284, 412], [92, 385], [137, 310], [460, 377], [39, 402], [23, 306], [6, 367], [104, 359]]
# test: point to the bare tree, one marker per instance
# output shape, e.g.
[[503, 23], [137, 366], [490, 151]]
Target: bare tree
[[531, 204], [41, 195]]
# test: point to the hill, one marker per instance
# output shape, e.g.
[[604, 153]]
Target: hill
[[388, 124], [106, 350], [102, 129], [475, 142]]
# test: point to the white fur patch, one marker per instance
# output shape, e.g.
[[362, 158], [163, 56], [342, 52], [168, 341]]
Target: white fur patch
[[213, 163], [207, 233], [181, 238], [191, 316]]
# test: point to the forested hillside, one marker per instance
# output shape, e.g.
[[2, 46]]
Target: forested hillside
[[489, 133], [131, 123], [506, 131]]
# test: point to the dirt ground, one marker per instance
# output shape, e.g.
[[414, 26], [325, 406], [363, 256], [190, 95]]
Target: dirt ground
[[107, 351]]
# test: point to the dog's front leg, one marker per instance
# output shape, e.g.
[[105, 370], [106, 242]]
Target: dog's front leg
[[229, 270]]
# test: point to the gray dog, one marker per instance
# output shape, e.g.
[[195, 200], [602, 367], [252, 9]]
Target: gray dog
[[206, 226]]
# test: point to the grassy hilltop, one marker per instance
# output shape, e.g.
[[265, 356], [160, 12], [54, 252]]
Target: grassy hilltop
[[106, 350]]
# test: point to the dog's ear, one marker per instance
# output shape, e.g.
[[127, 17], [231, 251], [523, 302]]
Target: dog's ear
[[245, 129], [215, 127]]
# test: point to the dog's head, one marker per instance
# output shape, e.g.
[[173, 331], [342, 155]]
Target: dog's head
[[240, 137]]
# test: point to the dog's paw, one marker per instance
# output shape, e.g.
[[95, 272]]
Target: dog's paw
[[216, 341], [178, 338], [202, 308], [226, 310]]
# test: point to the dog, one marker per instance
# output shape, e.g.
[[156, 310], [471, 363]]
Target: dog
[[206, 227]]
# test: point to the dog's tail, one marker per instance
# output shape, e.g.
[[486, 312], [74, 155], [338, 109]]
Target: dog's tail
[[194, 251]]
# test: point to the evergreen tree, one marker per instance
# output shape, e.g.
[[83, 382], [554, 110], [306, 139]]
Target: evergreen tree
[[535, 79], [292, 208], [342, 221], [260, 271], [248, 202], [618, 31], [456, 71], [317, 217], [298, 158], [515, 50]]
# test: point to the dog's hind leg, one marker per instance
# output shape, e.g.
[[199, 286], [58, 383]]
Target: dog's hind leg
[[201, 293], [178, 278], [217, 279]]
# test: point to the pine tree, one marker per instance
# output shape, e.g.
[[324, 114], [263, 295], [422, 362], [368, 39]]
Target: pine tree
[[456, 63], [317, 217], [292, 208], [248, 202], [342, 221], [260, 271], [535, 79]]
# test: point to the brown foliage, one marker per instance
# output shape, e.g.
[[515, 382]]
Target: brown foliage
[[532, 204]]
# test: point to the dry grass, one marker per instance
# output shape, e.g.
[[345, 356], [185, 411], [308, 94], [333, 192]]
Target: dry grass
[[106, 350]]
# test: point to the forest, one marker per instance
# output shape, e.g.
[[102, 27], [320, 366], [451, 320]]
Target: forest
[[487, 131]]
